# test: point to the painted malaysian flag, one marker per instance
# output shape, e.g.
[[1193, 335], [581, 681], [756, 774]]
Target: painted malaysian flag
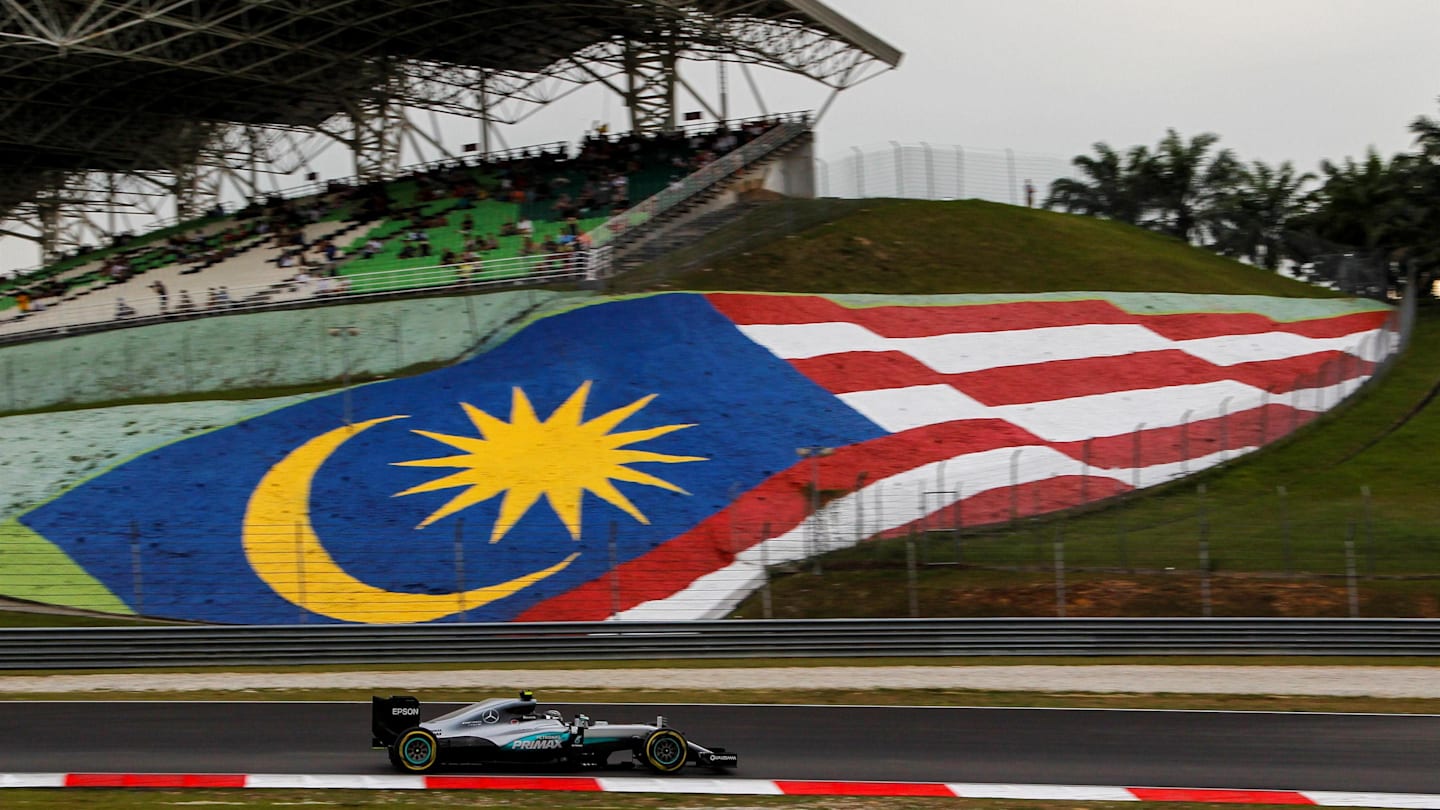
[[643, 458]]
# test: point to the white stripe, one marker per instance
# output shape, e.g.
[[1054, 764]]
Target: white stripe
[[804, 340], [958, 353], [900, 409], [731, 787], [32, 780], [965, 351], [1078, 793], [335, 781], [1331, 798], [1229, 350], [1079, 418]]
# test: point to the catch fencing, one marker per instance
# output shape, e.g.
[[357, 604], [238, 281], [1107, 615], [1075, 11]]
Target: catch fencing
[[140, 647], [941, 172]]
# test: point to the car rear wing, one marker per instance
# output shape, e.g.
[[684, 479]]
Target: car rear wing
[[391, 716]]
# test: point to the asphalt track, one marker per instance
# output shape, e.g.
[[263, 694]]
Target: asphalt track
[[1394, 753]]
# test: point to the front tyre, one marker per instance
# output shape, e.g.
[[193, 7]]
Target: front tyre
[[416, 751], [665, 751]]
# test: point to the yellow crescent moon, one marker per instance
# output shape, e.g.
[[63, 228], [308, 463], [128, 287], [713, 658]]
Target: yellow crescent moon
[[282, 547]]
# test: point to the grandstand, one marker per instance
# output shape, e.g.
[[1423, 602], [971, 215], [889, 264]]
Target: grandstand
[[535, 216], [169, 112]]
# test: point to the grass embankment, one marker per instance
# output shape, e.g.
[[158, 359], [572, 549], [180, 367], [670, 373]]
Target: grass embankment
[[906, 247]]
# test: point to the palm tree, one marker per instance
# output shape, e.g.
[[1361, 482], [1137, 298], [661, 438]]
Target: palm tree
[[1254, 219], [1184, 181], [1112, 188]]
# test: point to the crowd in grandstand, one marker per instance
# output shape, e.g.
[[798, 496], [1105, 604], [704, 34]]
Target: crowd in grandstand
[[552, 196]]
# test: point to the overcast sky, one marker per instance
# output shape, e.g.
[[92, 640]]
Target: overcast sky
[[1297, 80], [1278, 80]]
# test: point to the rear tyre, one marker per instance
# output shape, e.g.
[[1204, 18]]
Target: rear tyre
[[666, 751], [415, 751]]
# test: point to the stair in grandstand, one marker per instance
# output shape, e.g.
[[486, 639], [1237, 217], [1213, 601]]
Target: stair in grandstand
[[688, 209]]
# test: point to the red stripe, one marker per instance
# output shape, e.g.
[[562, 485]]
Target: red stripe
[[924, 321], [1220, 796], [917, 321], [803, 788], [851, 372], [569, 783], [1193, 326], [154, 780]]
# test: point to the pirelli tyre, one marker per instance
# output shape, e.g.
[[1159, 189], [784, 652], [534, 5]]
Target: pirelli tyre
[[415, 751], [665, 751]]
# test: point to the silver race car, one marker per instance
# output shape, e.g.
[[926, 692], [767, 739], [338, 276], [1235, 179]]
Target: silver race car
[[509, 731]]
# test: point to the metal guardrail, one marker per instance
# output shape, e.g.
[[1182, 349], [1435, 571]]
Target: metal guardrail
[[139, 647]]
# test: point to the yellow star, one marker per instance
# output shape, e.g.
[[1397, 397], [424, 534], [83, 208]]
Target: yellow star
[[561, 458]]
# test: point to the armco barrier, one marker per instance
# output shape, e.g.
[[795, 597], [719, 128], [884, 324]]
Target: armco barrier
[[135, 647]]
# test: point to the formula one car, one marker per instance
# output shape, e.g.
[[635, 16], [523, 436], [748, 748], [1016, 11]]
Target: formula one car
[[508, 731]]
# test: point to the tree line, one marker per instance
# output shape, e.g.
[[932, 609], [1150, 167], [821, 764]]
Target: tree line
[[1387, 209]]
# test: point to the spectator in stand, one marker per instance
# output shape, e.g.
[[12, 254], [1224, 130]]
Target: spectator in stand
[[525, 227], [122, 309], [158, 287], [186, 305], [372, 247]]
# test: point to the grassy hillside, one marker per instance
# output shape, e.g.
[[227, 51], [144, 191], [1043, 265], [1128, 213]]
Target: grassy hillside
[[919, 247]]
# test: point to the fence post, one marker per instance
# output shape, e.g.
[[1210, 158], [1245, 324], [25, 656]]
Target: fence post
[[859, 172], [958, 521], [1264, 417], [929, 172], [766, 608], [615, 575], [1059, 573], [1135, 457], [1295, 403], [1205, 606], [1369, 538], [1352, 585], [1015, 485], [860, 507], [899, 169], [1185, 443], [1010, 173], [137, 576], [1224, 429], [959, 172], [460, 568], [912, 584]]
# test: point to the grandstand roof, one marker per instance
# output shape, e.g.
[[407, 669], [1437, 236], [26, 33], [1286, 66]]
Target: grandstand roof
[[137, 85]]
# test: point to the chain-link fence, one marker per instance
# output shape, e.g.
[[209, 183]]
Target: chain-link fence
[[938, 172]]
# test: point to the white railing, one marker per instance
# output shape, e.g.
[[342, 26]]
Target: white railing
[[123, 310]]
